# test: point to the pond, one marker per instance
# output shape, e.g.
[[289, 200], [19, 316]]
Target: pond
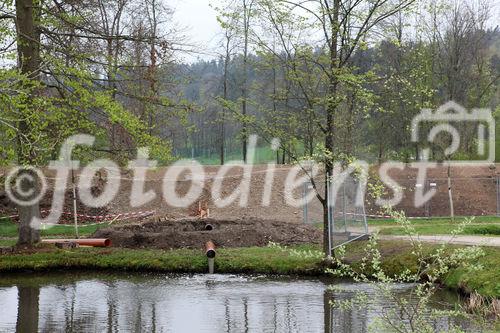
[[76, 302]]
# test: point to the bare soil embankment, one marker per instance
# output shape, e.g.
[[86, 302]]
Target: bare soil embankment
[[255, 223], [192, 233]]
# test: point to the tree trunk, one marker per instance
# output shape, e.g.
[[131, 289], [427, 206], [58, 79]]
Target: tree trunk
[[28, 52], [244, 93], [222, 136], [331, 108], [27, 234], [380, 152], [225, 86], [153, 87]]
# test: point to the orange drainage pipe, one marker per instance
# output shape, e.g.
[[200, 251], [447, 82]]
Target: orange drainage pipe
[[102, 242], [210, 253], [210, 249]]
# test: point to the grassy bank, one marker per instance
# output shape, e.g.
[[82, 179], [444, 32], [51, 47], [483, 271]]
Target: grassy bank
[[7, 242], [263, 260], [10, 229], [397, 256], [300, 260], [436, 220], [446, 229], [481, 226]]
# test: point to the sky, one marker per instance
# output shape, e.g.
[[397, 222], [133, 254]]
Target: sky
[[201, 25], [202, 28]]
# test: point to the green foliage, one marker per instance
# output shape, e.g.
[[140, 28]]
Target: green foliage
[[425, 267], [37, 115], [379, 87]]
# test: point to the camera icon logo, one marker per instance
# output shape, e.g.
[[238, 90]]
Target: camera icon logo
[[445, 119]]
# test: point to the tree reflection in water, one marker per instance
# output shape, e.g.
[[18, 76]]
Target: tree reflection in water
[[186, 304], [27, 309]]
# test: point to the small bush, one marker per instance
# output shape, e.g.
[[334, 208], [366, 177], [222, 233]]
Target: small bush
[[483, 230]]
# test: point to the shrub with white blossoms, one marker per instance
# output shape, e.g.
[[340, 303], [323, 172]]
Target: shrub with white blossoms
[[412, 311]]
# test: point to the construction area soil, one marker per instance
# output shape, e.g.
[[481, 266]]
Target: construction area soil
[[193, 233], [258, 221]]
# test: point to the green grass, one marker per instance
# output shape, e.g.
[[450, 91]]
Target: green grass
[[446, 229], [481, 225], [9, 229], [434, 220], [486, 282], [396, 257], [7, 242], [262, 155], [483, 230], [263, 260]]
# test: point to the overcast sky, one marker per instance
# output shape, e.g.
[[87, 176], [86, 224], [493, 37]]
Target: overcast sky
[[201, 23], [202, 27]]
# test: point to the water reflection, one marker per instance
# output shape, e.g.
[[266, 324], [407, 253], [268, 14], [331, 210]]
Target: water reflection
[[27, 313], [368, 316], [198, 303]]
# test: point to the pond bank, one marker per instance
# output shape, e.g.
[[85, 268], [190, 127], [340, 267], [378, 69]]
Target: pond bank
[[296, 260]]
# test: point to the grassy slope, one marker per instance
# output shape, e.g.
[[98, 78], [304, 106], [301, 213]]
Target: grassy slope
[[238, 260], [9, 229], [484, 225], [396, 257], [7, 242], [444, 229], [436, 220], [262, 155]]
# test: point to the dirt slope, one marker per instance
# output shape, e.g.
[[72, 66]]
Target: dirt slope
[[474, 192], [192, 233]]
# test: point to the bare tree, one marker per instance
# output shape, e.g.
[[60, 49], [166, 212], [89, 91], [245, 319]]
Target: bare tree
[[227, 59], [247, 14]]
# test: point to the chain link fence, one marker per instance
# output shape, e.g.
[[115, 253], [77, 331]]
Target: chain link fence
[[471, 197], [348, 218]]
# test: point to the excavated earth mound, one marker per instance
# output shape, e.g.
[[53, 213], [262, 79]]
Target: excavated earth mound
[[192, 233]]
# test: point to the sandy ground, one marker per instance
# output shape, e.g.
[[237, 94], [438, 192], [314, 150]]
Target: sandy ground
[[474, 191]]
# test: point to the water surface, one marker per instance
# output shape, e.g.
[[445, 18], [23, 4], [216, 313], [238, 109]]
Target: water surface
[[74, 302]]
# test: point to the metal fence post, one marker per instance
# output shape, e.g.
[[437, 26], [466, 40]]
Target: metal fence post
[[304, 207], [428, 202], [330, 215], [344, 208], [498, 195]]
